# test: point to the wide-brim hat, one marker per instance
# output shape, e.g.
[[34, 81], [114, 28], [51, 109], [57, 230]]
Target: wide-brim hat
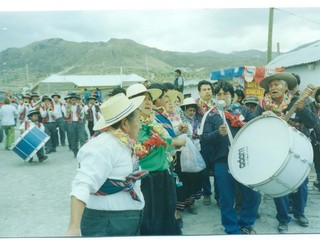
[[289, 78], [74, 95], [33, 111], [173, 94], [46, 98], [26, 96], [115, 109], [55, 94], [317, 89], [34, 95], [189, 101], [92, 97], [139, 88], [250, 99]]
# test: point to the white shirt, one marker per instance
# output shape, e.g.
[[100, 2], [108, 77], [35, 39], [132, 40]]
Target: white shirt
[[59, 109], [75, 118], [21, 108], [94, 113], [7, 115], [23, 125], [45, 113], [101, 158]]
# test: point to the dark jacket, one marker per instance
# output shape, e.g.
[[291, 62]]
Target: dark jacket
[[214, 147]]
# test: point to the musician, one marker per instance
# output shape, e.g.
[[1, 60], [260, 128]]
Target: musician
[[66, 124], [24, 108], [34, 100], [75, 115], [60, 112], [278, 101], [49, 121], [215, 136], [315, 136], [33, 116], [91, 111]]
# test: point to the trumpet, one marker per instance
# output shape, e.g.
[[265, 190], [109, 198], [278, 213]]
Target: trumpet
[[26, 102]]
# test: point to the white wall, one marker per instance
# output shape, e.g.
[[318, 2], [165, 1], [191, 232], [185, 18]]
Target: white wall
[[309, 73]]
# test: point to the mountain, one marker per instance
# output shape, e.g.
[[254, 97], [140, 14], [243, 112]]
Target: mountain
[[40, 59]]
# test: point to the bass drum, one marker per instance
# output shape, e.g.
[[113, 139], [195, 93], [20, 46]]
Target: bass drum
[[270, 156]]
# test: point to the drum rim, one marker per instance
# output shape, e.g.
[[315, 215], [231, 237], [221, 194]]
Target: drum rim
[[231, 169]]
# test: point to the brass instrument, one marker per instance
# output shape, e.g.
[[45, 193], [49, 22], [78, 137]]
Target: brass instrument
[[26, 102]]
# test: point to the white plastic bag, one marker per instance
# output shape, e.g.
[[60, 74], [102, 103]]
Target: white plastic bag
[[191, 159]]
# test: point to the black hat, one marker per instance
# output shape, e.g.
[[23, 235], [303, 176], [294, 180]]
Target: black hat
[[92, 97], [26, 96], [55, 94], [46, 98], [33, 111], [34, 95], [74, 95]]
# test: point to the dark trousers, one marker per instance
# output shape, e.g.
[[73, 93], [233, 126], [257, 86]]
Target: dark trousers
[[299, 201], [90, 127], [76, 131], [98, 223], [51, 130], [316, 159], [62, 130]]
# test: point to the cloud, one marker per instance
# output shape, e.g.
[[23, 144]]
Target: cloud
[[190, 30]]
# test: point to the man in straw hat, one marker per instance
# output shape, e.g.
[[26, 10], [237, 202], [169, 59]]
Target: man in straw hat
[[106, 199], [33, 116], [216, 136], [159, 189], [278, 101]]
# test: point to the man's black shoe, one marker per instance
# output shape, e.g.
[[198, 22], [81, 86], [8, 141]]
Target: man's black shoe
[[302, 220], [283, 227]]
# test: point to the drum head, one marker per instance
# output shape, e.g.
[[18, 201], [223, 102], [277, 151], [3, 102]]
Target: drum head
[[259, 150]]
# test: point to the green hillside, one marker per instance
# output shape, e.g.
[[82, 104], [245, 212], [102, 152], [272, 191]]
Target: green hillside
[[40, 59]]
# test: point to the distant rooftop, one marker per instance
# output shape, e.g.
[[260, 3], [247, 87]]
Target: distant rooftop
[[95, 80], [304, 55]]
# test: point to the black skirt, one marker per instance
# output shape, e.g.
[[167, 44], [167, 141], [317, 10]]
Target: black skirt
[[159, 191]]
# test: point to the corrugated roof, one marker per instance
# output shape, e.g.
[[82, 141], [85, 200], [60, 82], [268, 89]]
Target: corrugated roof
[[305, 55], [94, 80]]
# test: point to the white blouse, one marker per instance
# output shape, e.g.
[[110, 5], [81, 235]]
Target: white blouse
[[101, 158]]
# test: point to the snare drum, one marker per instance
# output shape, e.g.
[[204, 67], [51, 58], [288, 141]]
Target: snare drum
[[270, 156], [30, 142]]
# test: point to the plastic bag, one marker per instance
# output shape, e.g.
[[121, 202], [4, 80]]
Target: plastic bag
[[191, 159]]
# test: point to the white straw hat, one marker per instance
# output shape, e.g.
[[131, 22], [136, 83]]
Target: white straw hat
[[116, 108], [138, 88], [173, 94], [189, 101]]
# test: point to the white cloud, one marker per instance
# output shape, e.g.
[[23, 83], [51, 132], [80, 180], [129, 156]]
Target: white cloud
[[191, 30]]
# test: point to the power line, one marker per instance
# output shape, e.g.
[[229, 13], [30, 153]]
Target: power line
[[293, 14]]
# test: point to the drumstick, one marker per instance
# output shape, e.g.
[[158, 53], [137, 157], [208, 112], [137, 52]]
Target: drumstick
[[304, 95], [221, 104]]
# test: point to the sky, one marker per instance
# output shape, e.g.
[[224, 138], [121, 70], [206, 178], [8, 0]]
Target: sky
[[174, 25]]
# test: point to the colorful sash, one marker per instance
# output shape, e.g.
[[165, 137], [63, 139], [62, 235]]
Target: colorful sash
[[112, 186]]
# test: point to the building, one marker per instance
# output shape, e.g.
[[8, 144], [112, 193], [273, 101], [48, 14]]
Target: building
[[304, 61], [77, 83]]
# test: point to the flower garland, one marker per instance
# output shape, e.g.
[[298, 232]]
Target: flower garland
[[173, 117], [234, 119], [269, 104]]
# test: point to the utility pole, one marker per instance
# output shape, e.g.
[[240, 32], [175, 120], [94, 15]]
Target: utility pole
[[269, 54]]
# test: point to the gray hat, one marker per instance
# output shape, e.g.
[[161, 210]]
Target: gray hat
[[251, 99], [289, 78]]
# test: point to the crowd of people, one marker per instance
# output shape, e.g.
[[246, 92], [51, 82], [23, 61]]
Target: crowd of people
[[132, 179]]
